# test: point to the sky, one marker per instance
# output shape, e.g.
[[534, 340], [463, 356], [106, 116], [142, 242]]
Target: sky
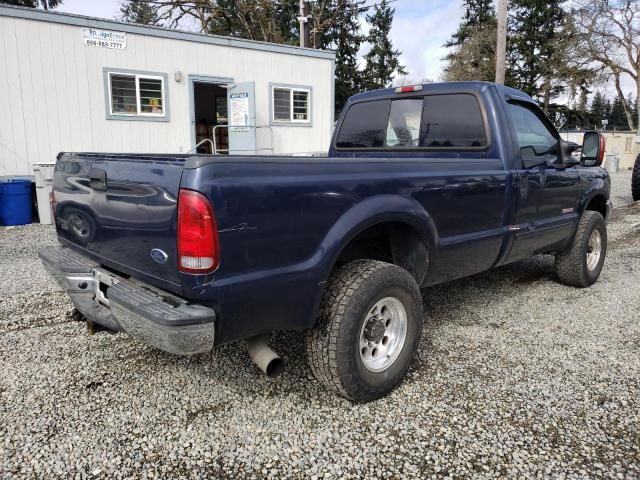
[[430, 21], [420, 28]]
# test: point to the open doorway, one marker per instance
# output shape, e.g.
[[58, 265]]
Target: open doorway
[[209, 111]]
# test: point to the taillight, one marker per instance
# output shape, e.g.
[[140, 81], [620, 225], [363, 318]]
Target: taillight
[[198, 247]]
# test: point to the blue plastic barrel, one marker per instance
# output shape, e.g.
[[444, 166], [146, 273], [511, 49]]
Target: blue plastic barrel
[[15, 202]]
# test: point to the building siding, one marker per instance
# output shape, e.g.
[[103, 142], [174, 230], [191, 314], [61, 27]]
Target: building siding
[[52, 94]]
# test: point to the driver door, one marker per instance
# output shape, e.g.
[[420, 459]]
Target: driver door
[[547, 188]]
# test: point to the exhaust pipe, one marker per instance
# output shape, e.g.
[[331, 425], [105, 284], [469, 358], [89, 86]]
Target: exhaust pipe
[[266, 359]]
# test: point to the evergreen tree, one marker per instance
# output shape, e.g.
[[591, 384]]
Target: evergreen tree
[[581, 106], [287, 12], [607, 112], [476, 13], [474, 44], [598, 110], [135, 11], [581, 117], [541, 46], [533, 33], [346, 40], [476, 58], [382, 61], [46, 4], [617, 117]]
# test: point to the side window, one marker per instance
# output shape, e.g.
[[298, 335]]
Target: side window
[[536, 140], [452, 120], [403, 128], [364, 125]]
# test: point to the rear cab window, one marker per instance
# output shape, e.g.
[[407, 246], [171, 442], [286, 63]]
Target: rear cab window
[[363, 127], [428, 122]]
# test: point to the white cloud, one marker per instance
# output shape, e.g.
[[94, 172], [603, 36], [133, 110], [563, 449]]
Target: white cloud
[[420, 37], [91, 8]]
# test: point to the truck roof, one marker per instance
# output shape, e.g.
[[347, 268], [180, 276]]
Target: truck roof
[[444, 86]]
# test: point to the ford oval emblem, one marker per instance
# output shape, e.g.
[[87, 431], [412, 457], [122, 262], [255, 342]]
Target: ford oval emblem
[[159, 256]]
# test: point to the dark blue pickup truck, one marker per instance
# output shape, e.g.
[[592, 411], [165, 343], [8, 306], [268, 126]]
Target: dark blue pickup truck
[[421, 185]]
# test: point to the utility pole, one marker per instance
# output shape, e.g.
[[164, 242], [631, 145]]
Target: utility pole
[[501, 47], [304, 25], [307, 25]]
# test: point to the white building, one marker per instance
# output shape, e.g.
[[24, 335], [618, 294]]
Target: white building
[[74, 83], [624, 145]]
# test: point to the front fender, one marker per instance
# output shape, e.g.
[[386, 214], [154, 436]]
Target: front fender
[[373, 211], [597, 186]]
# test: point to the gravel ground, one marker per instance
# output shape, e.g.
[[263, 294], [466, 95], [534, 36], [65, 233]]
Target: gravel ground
[[621, 187], [517, 377]]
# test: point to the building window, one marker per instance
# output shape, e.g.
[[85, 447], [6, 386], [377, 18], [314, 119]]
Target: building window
[[136, 96], [291, 105]]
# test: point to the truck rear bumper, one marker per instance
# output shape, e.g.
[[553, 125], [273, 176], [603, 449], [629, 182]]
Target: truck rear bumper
[[158, 318]]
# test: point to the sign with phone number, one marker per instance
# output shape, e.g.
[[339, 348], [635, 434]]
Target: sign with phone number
[[95, 37]]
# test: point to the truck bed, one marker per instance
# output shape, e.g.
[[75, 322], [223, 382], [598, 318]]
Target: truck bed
[[281, 218]]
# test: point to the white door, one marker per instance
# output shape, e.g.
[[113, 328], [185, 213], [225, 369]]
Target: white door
[[241, 103]]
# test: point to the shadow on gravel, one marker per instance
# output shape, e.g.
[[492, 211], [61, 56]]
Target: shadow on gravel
[[459, 298], [230, 367]]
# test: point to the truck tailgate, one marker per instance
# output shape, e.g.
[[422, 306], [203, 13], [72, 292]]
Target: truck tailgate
[[121, 210]]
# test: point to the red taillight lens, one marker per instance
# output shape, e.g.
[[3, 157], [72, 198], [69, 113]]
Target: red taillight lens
[[198, 247]]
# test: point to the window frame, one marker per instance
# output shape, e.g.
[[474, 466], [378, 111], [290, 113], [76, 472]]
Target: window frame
[[139, 115], [291, 122], [420, 95]]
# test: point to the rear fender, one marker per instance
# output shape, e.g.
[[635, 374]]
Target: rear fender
[[371, 212]]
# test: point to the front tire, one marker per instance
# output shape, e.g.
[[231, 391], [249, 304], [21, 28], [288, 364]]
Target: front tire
[[581, 265], [368, 331]]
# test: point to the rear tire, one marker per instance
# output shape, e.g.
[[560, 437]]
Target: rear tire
[[368, 330], [581, 265], [635, 180]]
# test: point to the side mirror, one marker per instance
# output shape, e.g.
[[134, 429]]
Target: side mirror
[[592, 149]]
